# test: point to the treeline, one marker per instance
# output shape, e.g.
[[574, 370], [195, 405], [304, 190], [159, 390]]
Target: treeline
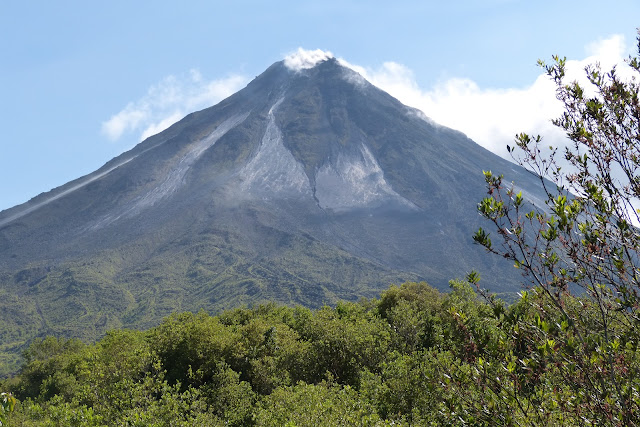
[[415, 356]]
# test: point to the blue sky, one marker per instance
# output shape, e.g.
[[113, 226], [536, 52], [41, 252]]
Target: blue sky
[[81, 82]]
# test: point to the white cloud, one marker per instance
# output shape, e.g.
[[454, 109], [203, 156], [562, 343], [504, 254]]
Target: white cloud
[[608, 51], [492, 117], [158, 127], [167, 102], [126, 120], [303, 59]]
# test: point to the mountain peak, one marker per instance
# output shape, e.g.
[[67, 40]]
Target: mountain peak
[[306, 186]]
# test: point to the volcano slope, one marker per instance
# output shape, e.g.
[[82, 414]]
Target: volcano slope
[[305, 187]]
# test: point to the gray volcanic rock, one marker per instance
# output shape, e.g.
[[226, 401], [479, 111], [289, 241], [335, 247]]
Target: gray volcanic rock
[[304, 187]]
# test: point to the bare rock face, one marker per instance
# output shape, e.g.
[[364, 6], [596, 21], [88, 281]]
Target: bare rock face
[[306, 186]]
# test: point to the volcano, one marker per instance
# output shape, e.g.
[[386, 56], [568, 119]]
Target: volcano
[[307, 186]]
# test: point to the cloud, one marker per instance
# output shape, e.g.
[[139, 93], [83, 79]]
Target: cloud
[[167, 102], [158, 127], [608, 51], [126, 120], [303, 59], [492, 116]]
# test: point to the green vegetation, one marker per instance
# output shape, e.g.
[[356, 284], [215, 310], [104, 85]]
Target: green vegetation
[[413, 357], [585, 240], [86, 299], [7, 403]]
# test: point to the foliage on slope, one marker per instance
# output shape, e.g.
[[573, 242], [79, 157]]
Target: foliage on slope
[[85, 299]]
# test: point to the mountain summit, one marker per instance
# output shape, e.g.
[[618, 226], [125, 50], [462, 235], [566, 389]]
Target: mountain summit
[[308, 185]]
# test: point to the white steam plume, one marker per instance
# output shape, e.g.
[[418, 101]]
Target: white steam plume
[[303, 59]]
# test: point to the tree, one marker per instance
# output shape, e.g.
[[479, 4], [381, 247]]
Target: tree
[[7, 403], [584, 242]]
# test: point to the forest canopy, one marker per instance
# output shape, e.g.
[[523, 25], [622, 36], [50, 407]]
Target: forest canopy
[[415, 356]]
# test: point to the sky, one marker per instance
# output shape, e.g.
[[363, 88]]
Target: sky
[[81, 82]]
